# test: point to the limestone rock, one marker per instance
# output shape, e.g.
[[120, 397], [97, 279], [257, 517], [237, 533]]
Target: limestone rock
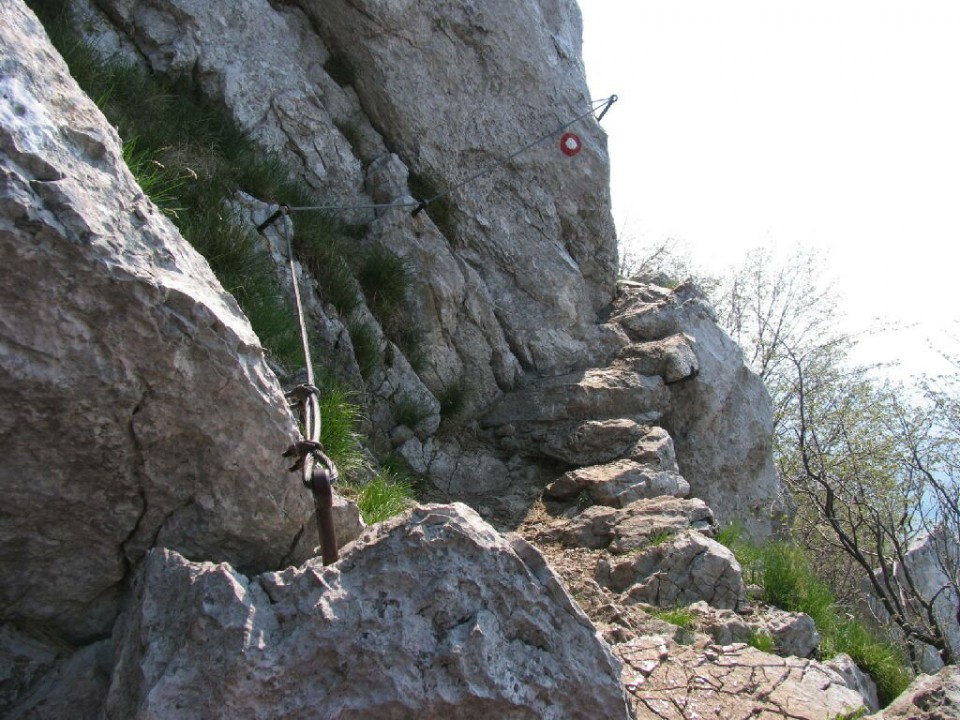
[[23, 660], [720, 420], [793, 634], [930, 562], [672, 358], [667, 681], [929, 697], [656, 449], [137, 408], [855, 679], [633, 527], [680, 571], [431, 614], [593, 394], [592, 442], [618, 483], [74, 688], [266, 66], [490, 78]]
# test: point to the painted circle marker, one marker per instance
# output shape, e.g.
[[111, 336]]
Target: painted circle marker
[[570, 144]]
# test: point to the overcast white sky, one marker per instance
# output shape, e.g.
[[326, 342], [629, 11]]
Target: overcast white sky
[[834, 123]]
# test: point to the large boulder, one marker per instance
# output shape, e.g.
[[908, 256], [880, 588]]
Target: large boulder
[[431, 614], [680, 570], [136, 408]]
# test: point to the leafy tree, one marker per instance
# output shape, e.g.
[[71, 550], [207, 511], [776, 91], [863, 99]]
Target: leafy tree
[[872, 466]]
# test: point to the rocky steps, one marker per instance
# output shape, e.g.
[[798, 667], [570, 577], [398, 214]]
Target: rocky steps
[[154, 549]]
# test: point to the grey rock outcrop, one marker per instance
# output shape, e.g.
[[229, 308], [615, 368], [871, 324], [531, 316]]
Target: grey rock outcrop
[[455, 116], [929, 697], [856, 679], [71, 685], [719, 418], [668, 681], [793, 634], [617, 483], [517, 66], [518, 270], [679, 571], [137, 408], [931, 568], [623, 530], [430, 614]]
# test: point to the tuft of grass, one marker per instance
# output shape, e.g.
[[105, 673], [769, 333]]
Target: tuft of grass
[[384, 496], [441, 210], [408, 411], [322, 244], [366, 347], [762, 641], [160, 184], [245, 271], [454, 397], [386, 279], [884, 661], [584, 500], [339, 418], [660, 538], [681, 617], [350, 129]]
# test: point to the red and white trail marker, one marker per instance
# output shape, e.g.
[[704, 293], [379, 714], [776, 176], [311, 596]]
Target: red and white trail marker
[[570, 144]]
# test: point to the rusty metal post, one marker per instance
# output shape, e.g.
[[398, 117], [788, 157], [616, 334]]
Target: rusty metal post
[[323, 500]]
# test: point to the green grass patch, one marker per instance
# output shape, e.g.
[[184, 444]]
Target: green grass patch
[[762, 641], [789, 582], [661, 538], [384, 496], [681, 617], [366, 347], [339, 419]]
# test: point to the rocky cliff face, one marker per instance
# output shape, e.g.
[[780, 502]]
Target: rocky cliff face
[[379, 103], [143, 429]]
